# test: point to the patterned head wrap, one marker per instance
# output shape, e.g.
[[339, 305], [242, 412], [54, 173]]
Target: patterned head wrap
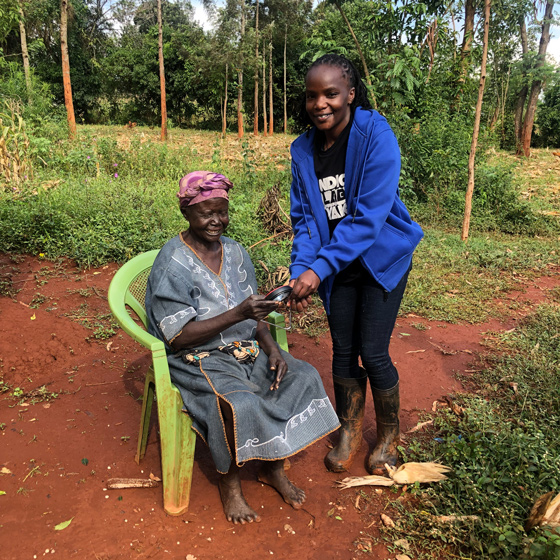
[[202, 185]]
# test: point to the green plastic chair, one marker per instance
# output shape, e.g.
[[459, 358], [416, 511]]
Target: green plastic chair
[[128, 291]]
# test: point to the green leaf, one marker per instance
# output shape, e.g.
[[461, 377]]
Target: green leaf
[[63, 525], [85, 461]]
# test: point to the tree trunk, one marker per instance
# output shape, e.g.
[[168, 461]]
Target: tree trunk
[[161, 75], [468, 35], [256, 109], [478, 111], [224, 111], [66, 69], [240, 76], [527, 130], [270, 101], [24, 51], [522, 95], [360, 52], [265, 119], [285, 84]]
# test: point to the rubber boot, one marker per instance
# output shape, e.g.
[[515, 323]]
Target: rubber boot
[[350, 398], [387, 405]]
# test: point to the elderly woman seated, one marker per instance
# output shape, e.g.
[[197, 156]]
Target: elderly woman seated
[[247, 398]]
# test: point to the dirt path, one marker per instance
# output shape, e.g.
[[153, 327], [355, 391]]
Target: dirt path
[[83, 426]]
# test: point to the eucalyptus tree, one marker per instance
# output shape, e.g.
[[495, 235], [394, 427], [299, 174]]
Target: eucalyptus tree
[[66, 68], [524, 146]]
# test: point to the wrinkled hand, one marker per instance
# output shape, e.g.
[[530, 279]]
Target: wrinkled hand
[[279, 365], [256, 307]]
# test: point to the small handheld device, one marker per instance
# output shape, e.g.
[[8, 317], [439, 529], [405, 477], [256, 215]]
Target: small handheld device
[[279, 294]]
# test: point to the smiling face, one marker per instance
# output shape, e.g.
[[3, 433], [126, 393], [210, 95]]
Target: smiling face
[[328, 97], [208, 220]]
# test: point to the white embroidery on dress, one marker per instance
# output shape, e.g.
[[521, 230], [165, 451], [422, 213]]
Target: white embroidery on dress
[[167, 324], [292, 424]]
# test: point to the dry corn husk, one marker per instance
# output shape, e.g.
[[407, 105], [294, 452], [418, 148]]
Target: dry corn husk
[[545, 511], [114, 483], [370, 480], [409, 473]]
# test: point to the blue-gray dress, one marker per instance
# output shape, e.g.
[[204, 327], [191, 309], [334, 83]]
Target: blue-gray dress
[[268, 424]]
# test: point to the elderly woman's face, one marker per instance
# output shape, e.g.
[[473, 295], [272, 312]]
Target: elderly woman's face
[[208, 219]]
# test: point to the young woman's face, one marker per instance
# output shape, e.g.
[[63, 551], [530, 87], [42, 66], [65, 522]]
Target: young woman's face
[[208, 219], [328, 97]]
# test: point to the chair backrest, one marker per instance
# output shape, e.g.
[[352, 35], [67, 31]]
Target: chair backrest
[[128, 290]]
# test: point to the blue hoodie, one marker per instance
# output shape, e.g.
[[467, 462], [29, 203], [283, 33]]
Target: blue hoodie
[[377, 229]]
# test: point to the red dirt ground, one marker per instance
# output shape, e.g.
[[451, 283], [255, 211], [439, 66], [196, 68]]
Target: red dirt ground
[[58, 454]]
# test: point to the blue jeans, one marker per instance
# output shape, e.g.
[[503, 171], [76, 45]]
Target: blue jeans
[[361, 321]]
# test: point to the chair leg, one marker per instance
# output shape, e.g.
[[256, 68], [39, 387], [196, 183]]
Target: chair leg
[[177, 453], [147, 402]]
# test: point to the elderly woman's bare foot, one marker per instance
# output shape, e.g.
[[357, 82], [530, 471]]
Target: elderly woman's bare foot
[[236, 509], [273, 474]]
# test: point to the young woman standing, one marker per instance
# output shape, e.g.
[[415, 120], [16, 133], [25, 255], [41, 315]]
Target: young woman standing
[[353, 243]]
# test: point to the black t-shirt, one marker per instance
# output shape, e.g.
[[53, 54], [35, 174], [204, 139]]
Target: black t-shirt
[[329, 168]]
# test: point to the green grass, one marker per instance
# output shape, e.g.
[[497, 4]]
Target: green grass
[[504, 451]]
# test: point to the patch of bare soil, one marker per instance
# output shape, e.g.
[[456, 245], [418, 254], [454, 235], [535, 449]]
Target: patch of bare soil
[[79, 421]]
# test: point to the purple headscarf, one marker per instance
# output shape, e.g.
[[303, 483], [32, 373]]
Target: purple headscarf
[[202, 185]]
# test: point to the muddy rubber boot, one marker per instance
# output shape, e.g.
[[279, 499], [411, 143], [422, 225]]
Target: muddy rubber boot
[[387, 405], [350, 398]]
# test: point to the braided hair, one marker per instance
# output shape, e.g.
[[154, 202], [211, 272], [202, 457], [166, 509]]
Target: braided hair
[[350, 72]]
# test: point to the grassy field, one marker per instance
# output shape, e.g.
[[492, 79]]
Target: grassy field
[[111, 194]]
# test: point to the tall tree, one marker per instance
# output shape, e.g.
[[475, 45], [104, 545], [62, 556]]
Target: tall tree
[[264, 86], [360, 52], [24, 51], [270, 100], [240, 74], [285, 82], [162, 74], [256, 106], [476, 128], [528, 121], [522, 95], [66, 68]]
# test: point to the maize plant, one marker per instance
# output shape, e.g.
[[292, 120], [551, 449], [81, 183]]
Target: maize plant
[[15, 165]]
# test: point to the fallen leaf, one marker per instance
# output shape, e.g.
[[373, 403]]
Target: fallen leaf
[[419, 426], [191, 557], [5, 470], [415, 351], [404, 334], [33, 317], [403, 543], [154, 477], [387, 521], [63, 525], [2, 493], [46, 405], [402, 557], [95, 273], [109, 344]]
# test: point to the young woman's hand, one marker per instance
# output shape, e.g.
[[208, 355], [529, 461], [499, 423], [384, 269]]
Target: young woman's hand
[[278, 365], [304, 285]]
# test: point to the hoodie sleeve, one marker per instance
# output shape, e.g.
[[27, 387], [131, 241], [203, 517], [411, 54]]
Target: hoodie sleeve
[[368, 209], [306, 242]]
